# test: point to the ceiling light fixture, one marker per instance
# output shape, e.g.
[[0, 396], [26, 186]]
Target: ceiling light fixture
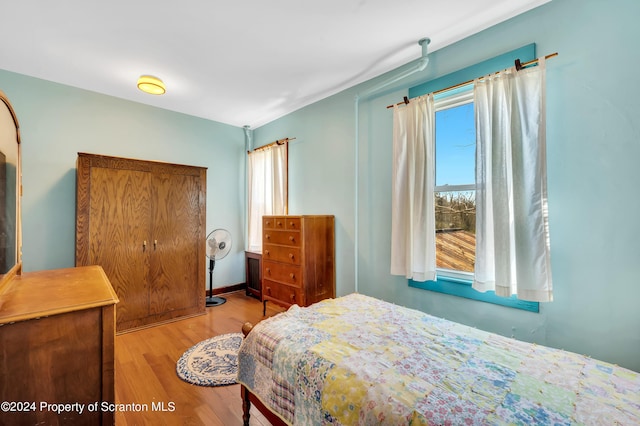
[[151, 84]]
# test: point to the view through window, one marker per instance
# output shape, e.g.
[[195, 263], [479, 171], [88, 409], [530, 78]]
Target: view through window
[[455, 202]]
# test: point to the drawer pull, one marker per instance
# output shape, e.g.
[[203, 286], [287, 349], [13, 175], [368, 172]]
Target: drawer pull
[[268, 290], [291, 256], [269, 271], [279, 223], [267, 252], [293, 297], [267, 236], [292, 276], [292, 224], [291, 238], [267, 222]]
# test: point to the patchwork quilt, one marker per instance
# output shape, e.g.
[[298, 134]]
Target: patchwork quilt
[[356, 360]]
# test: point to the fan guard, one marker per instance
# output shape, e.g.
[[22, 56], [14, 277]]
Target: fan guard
[[217, 247], [218, 244]]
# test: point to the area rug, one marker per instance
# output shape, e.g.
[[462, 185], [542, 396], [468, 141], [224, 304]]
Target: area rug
[[212, 362]]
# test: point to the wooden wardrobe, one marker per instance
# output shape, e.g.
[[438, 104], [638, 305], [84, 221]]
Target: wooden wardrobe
[[298, 259], [144, 223]]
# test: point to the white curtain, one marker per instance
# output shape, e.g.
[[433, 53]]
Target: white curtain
[[413, 247], [512, 237], [267, 189]]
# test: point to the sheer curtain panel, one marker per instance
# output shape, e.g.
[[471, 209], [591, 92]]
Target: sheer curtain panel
[[267, 189], [512, 236], [413, 247]]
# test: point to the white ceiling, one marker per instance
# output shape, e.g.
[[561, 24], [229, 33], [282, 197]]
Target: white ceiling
[[240, 62]]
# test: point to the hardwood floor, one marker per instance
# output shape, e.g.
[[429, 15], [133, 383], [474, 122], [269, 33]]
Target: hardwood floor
[[145, 369]]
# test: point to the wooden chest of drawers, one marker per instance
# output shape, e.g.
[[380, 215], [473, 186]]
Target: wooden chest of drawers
[[298, 259]]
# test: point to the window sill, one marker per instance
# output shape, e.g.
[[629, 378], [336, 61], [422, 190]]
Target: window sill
[[462, 288]]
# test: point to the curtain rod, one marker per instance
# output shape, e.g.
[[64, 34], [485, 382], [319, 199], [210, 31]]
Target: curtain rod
[[518, 66], [278, 142]]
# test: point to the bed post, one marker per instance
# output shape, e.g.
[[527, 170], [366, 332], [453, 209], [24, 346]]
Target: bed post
[[246, 328], [246, 401], [246, 405]]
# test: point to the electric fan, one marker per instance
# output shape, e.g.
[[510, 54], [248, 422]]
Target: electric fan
[[218, 246]]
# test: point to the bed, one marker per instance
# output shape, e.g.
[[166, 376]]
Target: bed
[[359, 360]]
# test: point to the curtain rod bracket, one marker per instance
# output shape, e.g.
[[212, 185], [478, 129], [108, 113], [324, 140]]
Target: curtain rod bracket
[[518, 64]]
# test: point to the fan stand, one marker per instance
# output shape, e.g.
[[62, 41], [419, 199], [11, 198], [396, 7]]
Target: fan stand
[[213, 300]]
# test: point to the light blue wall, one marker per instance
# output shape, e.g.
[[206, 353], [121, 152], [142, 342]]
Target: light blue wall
[[321, 171], [58, 121], [593, 152]]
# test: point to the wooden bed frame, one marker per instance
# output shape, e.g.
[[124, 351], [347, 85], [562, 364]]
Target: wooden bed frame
[[249, 398]]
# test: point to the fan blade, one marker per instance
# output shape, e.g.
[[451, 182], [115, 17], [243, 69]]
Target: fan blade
[[212, 247], [222, 239]]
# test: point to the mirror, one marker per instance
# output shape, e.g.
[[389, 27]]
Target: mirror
[[10, 188]]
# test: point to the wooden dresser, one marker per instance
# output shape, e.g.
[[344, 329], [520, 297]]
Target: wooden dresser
[[57, 331], [298, 259]]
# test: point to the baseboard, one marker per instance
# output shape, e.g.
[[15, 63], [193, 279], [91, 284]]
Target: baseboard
[[157, 323], [228, 289]]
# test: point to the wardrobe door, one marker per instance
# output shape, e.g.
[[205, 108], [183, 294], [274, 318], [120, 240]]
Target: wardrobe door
[[177, 259], [119, 230], [143, 222]]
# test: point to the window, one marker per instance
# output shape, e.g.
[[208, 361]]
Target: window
[[455, 201], [455, 207], [456, 188], [268, 187]]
